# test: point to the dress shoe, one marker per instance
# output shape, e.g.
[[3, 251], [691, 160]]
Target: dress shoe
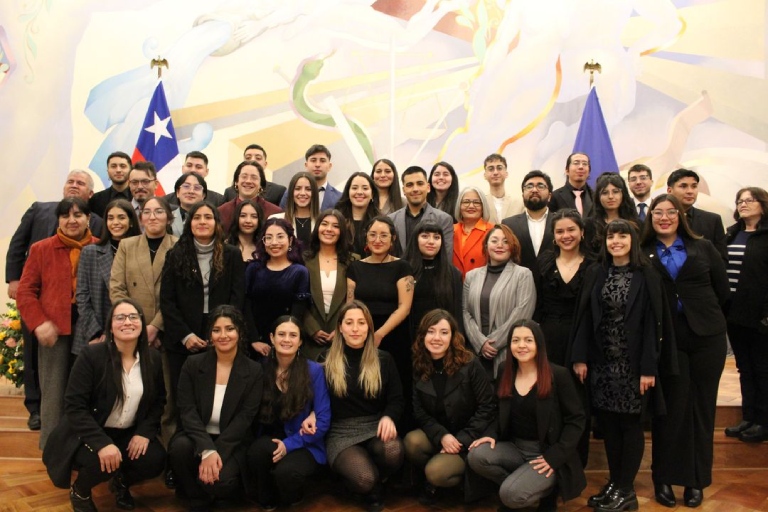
[[123, 498], [81, 503], [618, 501], [170, 479], [664, 495], [754, 434], [598, 498], [693, 497], [428, 495], [34, 421], [735, 430]]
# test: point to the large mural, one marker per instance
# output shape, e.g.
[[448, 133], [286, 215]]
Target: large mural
[[682, 83]]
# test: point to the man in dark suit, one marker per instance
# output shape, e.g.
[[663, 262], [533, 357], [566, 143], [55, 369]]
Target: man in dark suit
[[640, 181], [118, 169], [317, 161], [198, 162], [40, 222], [272, 192], [684, 185], [575, 193], [533, 227]]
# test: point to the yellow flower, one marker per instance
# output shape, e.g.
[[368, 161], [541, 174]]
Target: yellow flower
[[16, 325], [1, 359], [13, 313], [2, 335]]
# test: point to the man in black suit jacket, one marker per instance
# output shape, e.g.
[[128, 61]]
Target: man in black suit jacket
[[40, 222], [684, 185], [198, 162], [272, 192], [118, 169], [533, 227], [577, 169]]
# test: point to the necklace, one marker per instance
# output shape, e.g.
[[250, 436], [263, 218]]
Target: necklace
[[569, 267], [302, 222]]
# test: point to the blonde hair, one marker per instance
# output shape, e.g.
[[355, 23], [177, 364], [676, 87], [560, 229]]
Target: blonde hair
[[336, 362]]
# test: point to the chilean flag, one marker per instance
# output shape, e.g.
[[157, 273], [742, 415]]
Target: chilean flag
[[157, 139]]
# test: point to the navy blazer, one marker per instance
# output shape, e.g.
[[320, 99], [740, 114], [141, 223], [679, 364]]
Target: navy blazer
[[330, 198], [519, 226], [92, 294]]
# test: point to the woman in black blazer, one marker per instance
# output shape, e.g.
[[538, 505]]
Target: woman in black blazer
[[218, 397], [540, 423], [200, 273], [696, 285], [453, 403], [108, 430]]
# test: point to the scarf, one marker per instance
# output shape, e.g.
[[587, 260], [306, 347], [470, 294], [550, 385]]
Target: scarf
[[75, 247]]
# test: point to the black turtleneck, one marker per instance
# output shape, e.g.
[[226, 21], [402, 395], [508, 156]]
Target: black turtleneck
[[494, 271]]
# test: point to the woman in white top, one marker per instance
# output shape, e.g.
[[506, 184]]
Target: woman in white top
[[301, 206], [218, 397]]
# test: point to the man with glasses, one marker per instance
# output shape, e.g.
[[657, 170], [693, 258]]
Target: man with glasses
[[142, 181], [500, 204], [272, 192], [197, 161], [575, 193], [118, 169], [533, 227], [640, 180], [684, 185]]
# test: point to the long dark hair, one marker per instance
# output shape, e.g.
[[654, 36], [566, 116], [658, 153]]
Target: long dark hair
[[395, 195], [133, 221], [113, 372], [683, 228], [236, 317], [626, 208], [188, 265], [457, 355], [443, 282], [573, 215], [621, 226], [234, 229], [298, 382], [394, 249], [294, 249], [343, 252], [345, 203], [543, 369], [290, 202], [449, 203]]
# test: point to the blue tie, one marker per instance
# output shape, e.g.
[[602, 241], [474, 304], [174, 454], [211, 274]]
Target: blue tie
[[641, 214]]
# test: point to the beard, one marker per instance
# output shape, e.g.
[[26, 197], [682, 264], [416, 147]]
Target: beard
[[535, 204]]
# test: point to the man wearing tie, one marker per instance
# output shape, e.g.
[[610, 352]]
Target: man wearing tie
[[640, 180], [575, 193]]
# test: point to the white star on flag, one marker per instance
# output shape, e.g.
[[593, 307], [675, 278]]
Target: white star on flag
[[160, 128]]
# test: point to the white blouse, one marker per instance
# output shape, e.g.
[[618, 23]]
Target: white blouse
[[133, 389]]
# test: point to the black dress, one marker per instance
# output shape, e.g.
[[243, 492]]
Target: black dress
[[425, 300]]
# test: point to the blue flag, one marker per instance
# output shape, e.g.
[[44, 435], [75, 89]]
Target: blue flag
[[157, 139], [593, 140]]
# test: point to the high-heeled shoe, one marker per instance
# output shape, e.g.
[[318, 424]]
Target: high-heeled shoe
[[692, 497], [598, 498], [664, 495]]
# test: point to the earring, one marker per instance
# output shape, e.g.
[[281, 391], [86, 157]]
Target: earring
[[290, 249]]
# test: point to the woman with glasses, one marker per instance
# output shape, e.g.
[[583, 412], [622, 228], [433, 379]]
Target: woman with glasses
[[276, 283], [190, 189], [611, 201], [113, 402], [94, 270], [359, 204], [385, 284], [248, 181], [443, 188], [384, 174], [302, 206], [469, 232], [246, 231], [748, 310], [696, 285]]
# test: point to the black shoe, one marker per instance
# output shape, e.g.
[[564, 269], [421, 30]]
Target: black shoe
[[123, 498], [618, 501], [373, 502], [80, 503], [735, 430], [170, 479], [754, 434], [428, 494], [692, 497], [598, 498], [664, 495], [34, 421], [269, 505]]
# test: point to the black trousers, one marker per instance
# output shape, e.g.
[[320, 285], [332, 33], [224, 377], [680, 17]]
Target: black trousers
[[31, 382], [281, 482], [750, 347], [185, 463], [145, 467], [624, 445], [683, 438]]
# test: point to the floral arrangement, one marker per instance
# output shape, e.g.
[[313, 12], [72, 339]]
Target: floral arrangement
[[11, 346]]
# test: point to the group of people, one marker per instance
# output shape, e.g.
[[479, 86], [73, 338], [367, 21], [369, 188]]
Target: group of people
[[241, 341]]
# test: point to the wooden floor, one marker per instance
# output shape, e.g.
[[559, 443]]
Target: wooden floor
[[740, 478]]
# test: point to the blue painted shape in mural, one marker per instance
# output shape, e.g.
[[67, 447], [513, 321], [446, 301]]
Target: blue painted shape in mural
[[594, 141], [7, 62]]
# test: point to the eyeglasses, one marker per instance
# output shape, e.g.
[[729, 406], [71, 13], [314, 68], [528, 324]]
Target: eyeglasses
[[537, 186], [158, 212], [279, 239], [633, 179], [579, 162], [132, 317], [746, 200], [658, 214], [143, 183], [384, 237], [189, 186], [473, 202]]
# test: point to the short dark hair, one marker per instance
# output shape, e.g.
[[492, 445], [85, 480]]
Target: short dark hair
[[314, 149], [414, 169], [537, 174], [235, 316], [570, 157], [119, 154], [255, 146], [492, 158], [623, 226], [197, 154], [183, 178], [66, 205], [679, 174], [761, 196], [257, 165], [640, 168], [147, 167]]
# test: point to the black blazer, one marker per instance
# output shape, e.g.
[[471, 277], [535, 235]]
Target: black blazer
[[563, 198], [39, 222], [272, 192], [99, 201], [710, 226], [519, 226], [212, 197], [560, 420], [194, 400], [88, 402], [749, 304], [181, 301]]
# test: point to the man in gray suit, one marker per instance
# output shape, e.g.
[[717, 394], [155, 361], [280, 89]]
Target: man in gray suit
[[533, 227], [416, 188]]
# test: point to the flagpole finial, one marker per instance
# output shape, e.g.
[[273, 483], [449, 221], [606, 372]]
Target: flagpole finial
[[592, 66], [160, 63]]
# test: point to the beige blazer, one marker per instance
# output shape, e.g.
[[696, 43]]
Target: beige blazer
[[136, 276], [512, 206]]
